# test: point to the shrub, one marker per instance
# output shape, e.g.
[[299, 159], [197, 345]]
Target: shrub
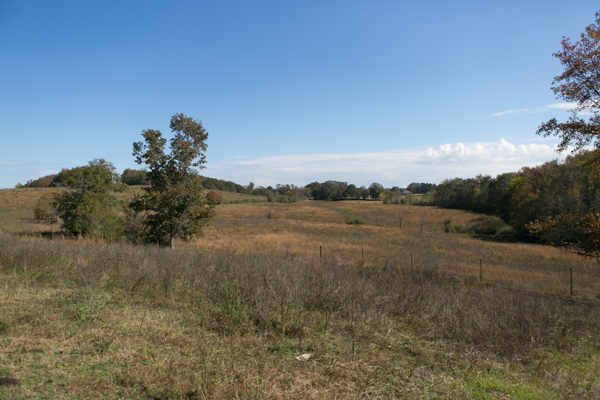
[[89, 207], [214, 198], [356, 221], [507, 232], [487, 225], [447, 225]]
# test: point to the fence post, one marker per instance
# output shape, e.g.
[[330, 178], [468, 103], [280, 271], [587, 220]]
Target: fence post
[[571, 274], [480, 271]]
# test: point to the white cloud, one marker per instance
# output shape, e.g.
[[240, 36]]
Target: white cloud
[[534, 110], [12, 163], [562, 106], [393, 167]]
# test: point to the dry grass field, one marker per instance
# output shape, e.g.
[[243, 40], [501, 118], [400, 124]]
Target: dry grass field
[[228, 314]]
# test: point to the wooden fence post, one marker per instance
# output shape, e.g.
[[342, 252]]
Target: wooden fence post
[[571, 274]]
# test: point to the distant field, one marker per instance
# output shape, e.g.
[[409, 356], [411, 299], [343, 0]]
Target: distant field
[[391, 309], [393, 232]]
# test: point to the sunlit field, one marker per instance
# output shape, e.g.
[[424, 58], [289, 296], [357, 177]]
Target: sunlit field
[[394, 308], [315, 229]]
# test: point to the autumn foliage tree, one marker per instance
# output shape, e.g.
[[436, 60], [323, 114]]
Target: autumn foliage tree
[[578, 233], [578, 84], [174, 205]]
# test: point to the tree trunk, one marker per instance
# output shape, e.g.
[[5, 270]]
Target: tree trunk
[[172, 242]]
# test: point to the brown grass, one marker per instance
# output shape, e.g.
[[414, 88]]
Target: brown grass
[[300, 229], [224, 316]]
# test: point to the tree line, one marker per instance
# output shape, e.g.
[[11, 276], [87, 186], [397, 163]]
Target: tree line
[[531, 194], [328, 190], [557, 201]]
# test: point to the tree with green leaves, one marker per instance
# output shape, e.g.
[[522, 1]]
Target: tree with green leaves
[[375, 189], [134, 177], [174, 205], [89, 206]]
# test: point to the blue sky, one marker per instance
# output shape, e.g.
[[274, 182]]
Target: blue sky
[[290, 92]]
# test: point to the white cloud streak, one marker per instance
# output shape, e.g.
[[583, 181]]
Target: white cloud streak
[[393, 167], [390, 168], [534, 110]]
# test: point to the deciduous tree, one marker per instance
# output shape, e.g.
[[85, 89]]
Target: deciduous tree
[[174, 204], [578, 84], [89, 206], [375, 189]]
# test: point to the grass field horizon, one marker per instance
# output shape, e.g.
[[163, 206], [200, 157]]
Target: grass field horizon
[[390, 309]]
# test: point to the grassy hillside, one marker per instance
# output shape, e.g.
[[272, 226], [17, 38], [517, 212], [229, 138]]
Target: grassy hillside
[[227, 315]]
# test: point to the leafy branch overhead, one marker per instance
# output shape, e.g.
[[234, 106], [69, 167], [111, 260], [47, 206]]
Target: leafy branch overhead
[[578, 84]]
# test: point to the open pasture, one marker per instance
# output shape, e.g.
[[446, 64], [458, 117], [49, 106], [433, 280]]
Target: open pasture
[[316, 229], [227, 315]]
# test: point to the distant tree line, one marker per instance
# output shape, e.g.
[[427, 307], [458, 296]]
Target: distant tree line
[[334, 190], [531, 194], [54, 180], [420, 188], [328, 190]]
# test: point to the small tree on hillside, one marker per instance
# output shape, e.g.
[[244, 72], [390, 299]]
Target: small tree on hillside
[[174, 205], [89, 206]]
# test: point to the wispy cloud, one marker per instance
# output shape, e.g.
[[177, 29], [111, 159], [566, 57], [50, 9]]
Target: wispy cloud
[[394, 167], [534, 110], [562, 106], [12, 163]]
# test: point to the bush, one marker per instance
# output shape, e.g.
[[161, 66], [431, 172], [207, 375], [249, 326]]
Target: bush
[[89, 206], [507, 232], [214, 198], [447, 225], [487, 225], [356, 221]]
